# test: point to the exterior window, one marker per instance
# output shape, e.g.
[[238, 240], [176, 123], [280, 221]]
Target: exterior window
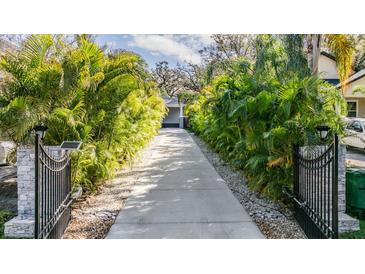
[[352, 109]]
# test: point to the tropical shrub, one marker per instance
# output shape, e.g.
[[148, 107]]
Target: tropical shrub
[[254, 113], [106, 101]]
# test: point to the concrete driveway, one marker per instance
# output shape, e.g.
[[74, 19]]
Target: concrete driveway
[[180, 195], [355, 157]]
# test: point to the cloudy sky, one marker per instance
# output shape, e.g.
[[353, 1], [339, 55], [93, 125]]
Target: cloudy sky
[[175, 48]]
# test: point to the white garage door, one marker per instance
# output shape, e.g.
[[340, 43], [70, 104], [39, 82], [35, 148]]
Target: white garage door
[[172, 119]]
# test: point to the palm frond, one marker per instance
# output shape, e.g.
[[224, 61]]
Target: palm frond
[[342, 46]]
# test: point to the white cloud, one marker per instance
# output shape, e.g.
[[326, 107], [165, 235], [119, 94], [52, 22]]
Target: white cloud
[[155, 53], [181, 47], [111, 44], [196, 41], [205, 39]]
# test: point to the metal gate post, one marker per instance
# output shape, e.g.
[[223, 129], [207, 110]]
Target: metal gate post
[[296, 169], [36, 173], [335, 189]]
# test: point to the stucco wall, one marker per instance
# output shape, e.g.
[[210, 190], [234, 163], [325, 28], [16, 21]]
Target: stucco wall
[[351, 86], [327, 68], [173, 116]]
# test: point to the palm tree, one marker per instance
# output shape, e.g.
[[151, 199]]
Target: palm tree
[[106, 101], [32, 85]]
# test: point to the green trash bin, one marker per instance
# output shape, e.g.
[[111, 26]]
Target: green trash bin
[[355, 191]]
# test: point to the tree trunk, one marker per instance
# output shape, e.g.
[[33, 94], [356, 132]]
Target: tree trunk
[[315, 53]]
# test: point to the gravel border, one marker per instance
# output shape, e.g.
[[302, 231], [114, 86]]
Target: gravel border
[[274, 220], [93, 215]]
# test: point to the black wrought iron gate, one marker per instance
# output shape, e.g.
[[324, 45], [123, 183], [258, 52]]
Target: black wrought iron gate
[[53, 191], [316, 189]]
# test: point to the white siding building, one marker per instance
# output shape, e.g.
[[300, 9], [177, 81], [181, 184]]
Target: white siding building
[[355, 100], [175, 116], [327, 68]]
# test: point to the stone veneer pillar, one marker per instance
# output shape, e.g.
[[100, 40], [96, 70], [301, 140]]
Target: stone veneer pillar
[[342, 178], [346, 223], [22, 226]]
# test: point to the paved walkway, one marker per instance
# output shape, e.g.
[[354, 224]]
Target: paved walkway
[[180, 195]]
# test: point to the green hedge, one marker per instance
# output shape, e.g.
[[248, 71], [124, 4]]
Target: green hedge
[[107, 101], [252, 120]]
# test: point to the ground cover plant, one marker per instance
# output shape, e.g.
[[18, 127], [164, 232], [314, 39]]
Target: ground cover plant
[[106, 100], [5, 216]]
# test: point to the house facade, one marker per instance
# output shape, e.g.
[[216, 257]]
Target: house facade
[[355, 100], [327, 68], [175, 115]]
